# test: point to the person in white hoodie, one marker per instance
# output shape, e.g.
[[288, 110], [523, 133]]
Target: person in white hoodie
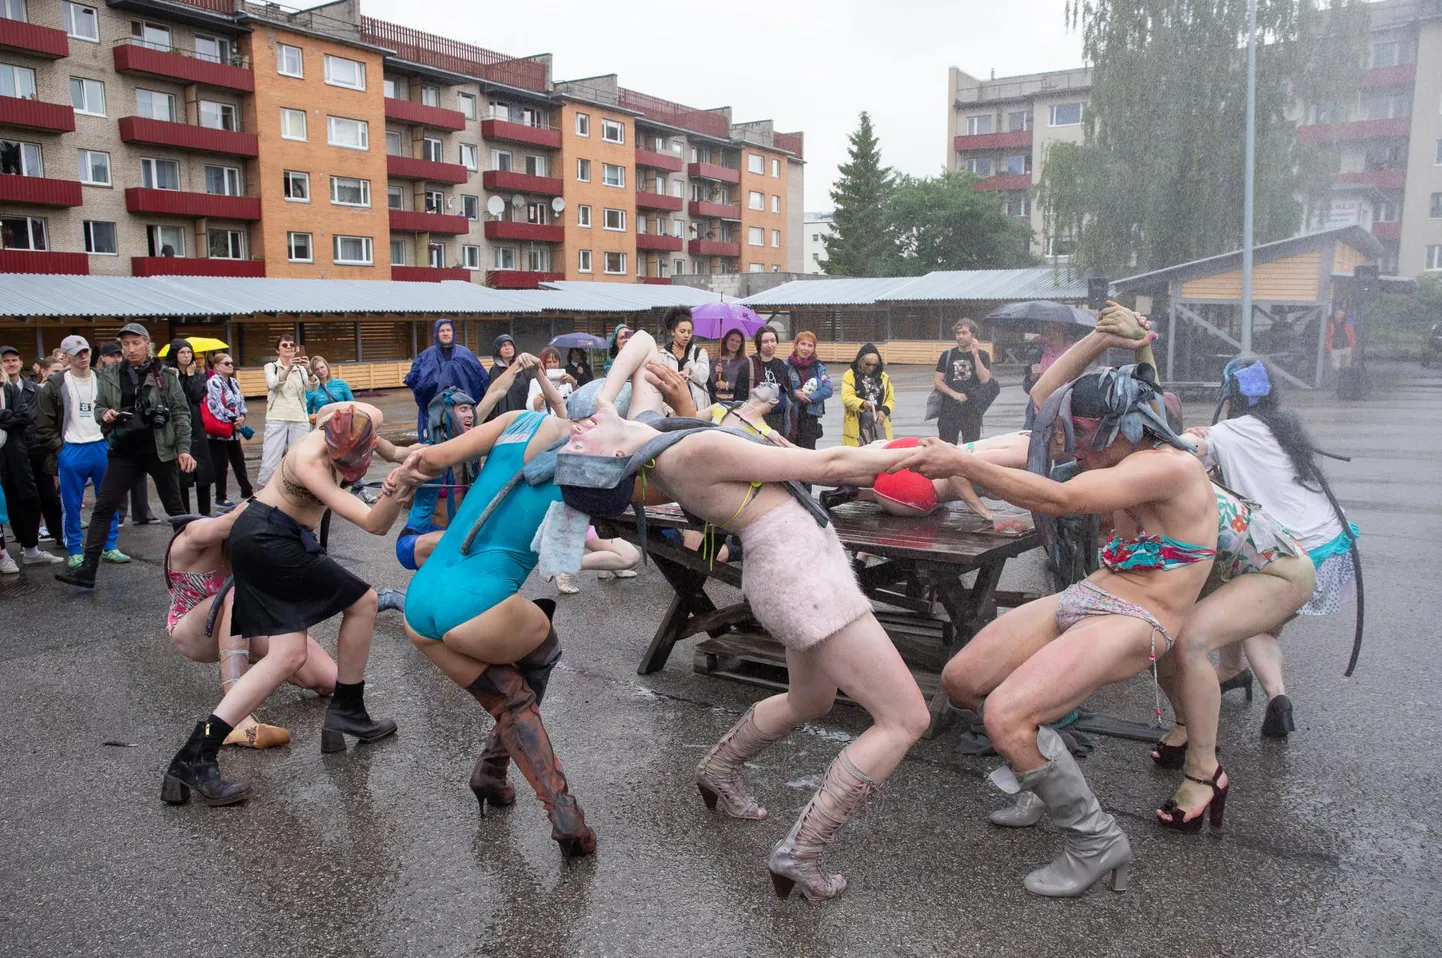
[[683, 355]]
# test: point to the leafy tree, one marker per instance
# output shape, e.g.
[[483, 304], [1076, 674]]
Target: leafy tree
[[1397, 324], [858, 244], [1158, 179], [943, 223]]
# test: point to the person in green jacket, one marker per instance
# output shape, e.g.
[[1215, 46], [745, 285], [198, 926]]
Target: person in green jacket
[[327, 390]]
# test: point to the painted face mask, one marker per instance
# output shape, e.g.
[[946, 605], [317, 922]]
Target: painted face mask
[[350, 437]]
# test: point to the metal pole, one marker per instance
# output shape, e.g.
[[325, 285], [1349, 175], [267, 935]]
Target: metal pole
[[1249, 188]]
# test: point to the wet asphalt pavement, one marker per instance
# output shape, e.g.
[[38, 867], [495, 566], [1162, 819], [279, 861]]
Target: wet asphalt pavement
[[1330, 846]]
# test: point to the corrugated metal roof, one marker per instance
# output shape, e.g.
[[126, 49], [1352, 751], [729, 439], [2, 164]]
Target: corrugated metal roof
[[27, 295], [993, 285], [844, 291], [571, 296], [1354, 236]]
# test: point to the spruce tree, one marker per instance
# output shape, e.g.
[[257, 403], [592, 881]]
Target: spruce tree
[[859, 244]]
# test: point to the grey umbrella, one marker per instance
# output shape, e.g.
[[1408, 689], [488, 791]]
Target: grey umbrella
[[1030, 315]]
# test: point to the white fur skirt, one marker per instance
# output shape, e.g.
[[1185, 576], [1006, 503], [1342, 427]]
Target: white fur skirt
[[796, 576]]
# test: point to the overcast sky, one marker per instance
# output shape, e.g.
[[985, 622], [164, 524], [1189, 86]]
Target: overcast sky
[[816, 67]]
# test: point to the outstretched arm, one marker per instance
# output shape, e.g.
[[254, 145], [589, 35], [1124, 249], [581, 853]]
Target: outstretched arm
[[426, 462], [630, 366], [736, 459], [1117, 326], [377, 519], [204, 533]]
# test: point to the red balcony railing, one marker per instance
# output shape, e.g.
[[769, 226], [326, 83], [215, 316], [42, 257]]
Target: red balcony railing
[[454, 56], [44, 261], [658, 201], [184, 136], [410, 168], [654, 280], [418, 113], [700, 247], [993, 141], [709, 122], [1382, 179], [660, 161], [1402, 73], [520, 133], [1388, 231], [408, 221], [185, 266], [39, 191], [658, 243], [722, 211], [1005, 181], [37, 115], [1357, 130], [175, 64], [532, 232], [430, 274], [509, 181], [33, 39], [520, 278], [138, 199], [713, 171]]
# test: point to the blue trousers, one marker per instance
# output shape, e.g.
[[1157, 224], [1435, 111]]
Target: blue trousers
[[82, 462]]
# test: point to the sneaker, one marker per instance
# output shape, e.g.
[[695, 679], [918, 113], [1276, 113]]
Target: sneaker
[[41, 557], [566, 584], [391, 600], [114, 555], [75, 562], [225, 505], [46, 534], [7, 565]]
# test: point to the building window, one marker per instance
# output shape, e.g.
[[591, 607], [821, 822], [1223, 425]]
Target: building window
[[612, 175], [435, 201], [583, 215], [350, 74], [165, 241], [1017, 203], [348, 191], [613, 132], [583, 171], [980, 165], [224, 181], [776, 169], [430, 95], [538, 212], [297, 186], [292, 124], [394, 144], [151, 35], [978, 125], [538, 259], [398, 252], [87, 96], [94, 168], [348, 134], [470, 156], [215, 50], [23, 232], [583, 260], [615, 220], [1386, 54], [290, 62], [155, 105], [1434, 257], [1018, 121], [775, 203], [227, 244], [756, 200], [501, 160], [1066, 114], [21, 159], [298, 248], [82, 22], [756, 236], [504, 257], [537, 165], [159, 174], [18, 82], [432, 149], [395, 198], [218, 116], [614, 263], [583, 124], [470, 257], [13, 10], [755, 163], [99, 237], [679, 268], [1017, 163], [1438, 160], [466, 103], [354, 250], [1436, 205], [471, 206], [776, 239]]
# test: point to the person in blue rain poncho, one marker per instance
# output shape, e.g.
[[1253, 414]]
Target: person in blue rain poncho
[[446, 363]]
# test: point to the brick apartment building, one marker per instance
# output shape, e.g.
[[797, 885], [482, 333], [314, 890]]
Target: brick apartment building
[[224, 138], [1389, 142]]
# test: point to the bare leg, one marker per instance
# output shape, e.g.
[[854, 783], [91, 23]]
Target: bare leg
[[1264, 653], [507, 632], [1171, 684], [357, 628], [286, 654], [609, 555], [317, 674], [999, 650], [1230, 662], [425, 545]]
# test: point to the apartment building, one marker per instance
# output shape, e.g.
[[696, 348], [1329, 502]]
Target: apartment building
[[219, 137], [817, 227]]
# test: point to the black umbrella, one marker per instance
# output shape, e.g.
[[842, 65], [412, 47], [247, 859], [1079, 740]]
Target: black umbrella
[[1028, 316]]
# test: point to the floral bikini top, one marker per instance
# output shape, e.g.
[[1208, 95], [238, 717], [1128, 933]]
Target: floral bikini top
[[1145, 552]]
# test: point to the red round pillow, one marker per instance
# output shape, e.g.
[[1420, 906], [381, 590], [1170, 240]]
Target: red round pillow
[[905, 493]]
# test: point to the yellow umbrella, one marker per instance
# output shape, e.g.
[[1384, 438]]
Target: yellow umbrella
[[198, 344]]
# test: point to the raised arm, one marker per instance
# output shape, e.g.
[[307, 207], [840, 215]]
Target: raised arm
[[629, 366], [552, 395], [1086, 351]]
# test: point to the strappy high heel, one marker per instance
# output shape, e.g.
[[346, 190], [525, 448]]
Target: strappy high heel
[[1170, 756], [1242, 680], [1173, 816]]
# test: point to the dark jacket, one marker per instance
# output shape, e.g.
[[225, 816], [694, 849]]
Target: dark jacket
[[51, 412], [17, 421], [515, 397], [193, 386], [171, 439]]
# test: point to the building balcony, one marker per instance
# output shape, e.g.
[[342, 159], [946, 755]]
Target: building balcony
[[139, 199], [44, 261], [1357, 130], [509, 181], [39, 191], [411, 168], [721, 211], [407, 221], [183, 66], [526, 232], [520, 278], [1387, 231], [1399, 75], [1004, 181], [658, 201], [186, 266], [435, 117], [184, 136], [37, 115], [669, 162], [993, 141], [1381, 179], [430, 274], [33, 39], [509, 132], [658, 243], [700, 247], [654, 280], [713, 171]]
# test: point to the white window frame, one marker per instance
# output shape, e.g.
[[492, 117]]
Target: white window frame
[[470, 257], [980, 125], [87, 229], [755, 163], [237, 248], [583, 215], [678, 268], [295, 176], [755, 236], [504, 253], [503, 161], [470, 202], [607, 169], [365, 189], [613, 126], [75, 16], [433, 148], [224, 49], [775, 239], [17, 89], [434, 201], [155, 237], [154, 163], [537, 165], [140, 32], [14, 10], [35, 150], [474, 153], [86, 165], [1081, 112], [356, 83], [606, 262], [583, 261], [362, 127], [290, 239], [367, 246], [282, 52], [755, 200], [291, 114], [220, 111], [395, 198], [398, 251], [430, 95], [86, 85], [34, 225], [394, 136], [775, 203], [232, 176], [1432, 261], [466, 105], [755, 267], [583, 124], [583, 171], [155, 96], [609, 216], [776, 169]]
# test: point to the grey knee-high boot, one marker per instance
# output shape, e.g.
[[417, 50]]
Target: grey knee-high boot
[[1094, 843], [797, 858], [718, 777], [1025, 812]]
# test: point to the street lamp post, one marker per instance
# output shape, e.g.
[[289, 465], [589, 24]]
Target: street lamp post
[[1249, 189]]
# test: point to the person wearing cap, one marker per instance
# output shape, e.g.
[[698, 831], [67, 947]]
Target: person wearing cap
[[109, 355], [139, 492], [73, 445], [145, 417]]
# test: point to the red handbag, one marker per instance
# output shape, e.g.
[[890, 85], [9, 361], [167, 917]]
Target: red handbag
[[213, 426]]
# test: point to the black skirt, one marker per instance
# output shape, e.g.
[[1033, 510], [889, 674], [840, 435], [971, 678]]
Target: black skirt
[[284, 581]]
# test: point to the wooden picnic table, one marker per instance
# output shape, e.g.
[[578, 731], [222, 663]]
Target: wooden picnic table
[[916, 581]]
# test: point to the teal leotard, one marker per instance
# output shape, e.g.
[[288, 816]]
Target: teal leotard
[[452, 588]]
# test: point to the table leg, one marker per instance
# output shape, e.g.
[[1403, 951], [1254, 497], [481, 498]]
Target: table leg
[[690, 600]]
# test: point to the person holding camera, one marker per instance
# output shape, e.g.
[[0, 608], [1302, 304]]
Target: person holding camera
[[288, 379], [145, 416]]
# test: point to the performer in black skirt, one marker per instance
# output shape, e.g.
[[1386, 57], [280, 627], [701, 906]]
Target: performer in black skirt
[[285, 584]]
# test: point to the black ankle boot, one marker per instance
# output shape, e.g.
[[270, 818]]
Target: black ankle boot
[[195, 767], [82, 575], [347, 715]]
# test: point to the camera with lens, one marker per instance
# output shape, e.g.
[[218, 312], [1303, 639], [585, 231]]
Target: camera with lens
[[151, 413]]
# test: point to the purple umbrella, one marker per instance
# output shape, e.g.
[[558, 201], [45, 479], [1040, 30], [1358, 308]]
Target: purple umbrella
[[714, 320]]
